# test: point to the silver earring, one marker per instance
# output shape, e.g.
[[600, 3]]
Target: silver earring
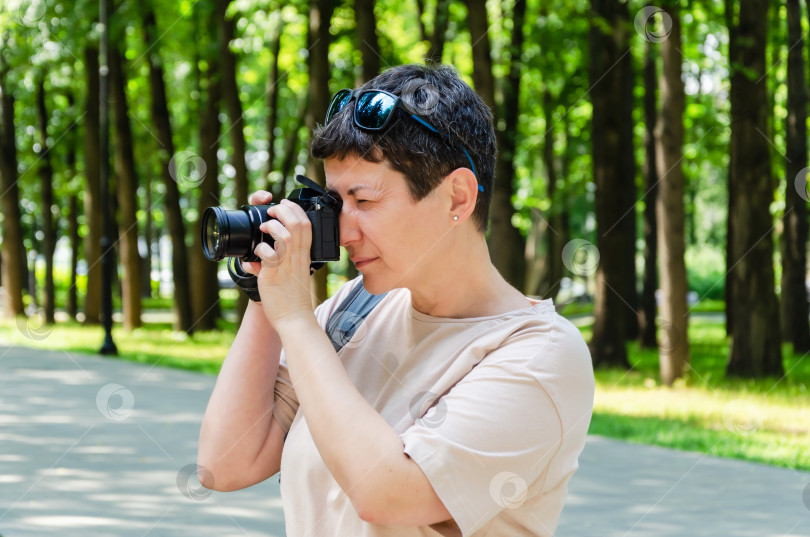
[[455, 217]]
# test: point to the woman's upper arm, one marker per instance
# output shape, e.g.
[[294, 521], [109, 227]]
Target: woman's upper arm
[[266, 464], [414, 501], [496, 422], [268, 461]]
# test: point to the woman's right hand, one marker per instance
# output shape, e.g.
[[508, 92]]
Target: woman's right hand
[[260, 197]]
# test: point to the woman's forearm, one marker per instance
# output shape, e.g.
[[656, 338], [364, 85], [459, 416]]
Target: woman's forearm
[[239, 414], [352, 438]]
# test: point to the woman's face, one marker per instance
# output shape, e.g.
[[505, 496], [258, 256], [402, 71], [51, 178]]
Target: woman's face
[[391, 239]]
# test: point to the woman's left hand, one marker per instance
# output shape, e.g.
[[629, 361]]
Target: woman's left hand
[[284, 278]]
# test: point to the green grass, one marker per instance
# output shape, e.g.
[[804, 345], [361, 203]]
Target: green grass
[[765, 420], [155, 343]]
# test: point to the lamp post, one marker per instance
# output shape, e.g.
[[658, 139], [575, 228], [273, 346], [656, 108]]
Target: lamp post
[[108, 347]]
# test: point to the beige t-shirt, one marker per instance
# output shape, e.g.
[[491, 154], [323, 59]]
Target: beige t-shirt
[[494, 410]]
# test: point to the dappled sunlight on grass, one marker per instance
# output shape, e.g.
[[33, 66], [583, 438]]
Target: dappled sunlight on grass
[[766, 420], [153, 343]]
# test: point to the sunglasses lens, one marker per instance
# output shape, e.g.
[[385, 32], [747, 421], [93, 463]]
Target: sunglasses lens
[[374, 109], [340, 100]]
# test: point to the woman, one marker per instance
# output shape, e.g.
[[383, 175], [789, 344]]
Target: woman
[[459, 406]]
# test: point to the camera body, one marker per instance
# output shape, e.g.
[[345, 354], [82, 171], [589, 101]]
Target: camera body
[[236, 233]]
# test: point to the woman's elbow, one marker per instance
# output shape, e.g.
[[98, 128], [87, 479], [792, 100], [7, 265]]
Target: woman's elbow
[[209, 476], [397, 509], [205, 477], [222, 478], [371, 513], [391, 515], [375, 509]]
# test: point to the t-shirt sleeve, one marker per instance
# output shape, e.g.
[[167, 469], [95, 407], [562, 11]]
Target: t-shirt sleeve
[[285, 402], [489, 440]]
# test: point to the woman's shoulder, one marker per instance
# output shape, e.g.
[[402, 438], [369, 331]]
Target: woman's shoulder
[[543, 342]]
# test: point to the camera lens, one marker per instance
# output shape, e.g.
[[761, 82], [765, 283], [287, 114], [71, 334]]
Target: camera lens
[[233, 233], [213, 236]]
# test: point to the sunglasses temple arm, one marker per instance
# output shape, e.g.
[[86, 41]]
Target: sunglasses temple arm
[[475, 173]]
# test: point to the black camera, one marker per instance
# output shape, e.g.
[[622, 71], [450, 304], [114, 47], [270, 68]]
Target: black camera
[[236, 233]]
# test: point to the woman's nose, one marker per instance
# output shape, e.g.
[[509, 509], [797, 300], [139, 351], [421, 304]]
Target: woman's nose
[[349, 231]]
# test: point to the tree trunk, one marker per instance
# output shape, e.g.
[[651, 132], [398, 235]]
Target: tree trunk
[[437, 40], [505, 164], [92, 192], [647, 311], [230, 94], [607, 79], [795, 326], [556, 233], [273, 82], [420, 12], [506, 244], [31, 256], [148, 235], [755, 346], [370, 50], [318, 39], [627, 227], [674, 350], [71, 303], [174, 216], [367, 38], [729, 13], [46, 194], [127, 192], [206, 284], [13, 251], [291, 149], [482, 76]]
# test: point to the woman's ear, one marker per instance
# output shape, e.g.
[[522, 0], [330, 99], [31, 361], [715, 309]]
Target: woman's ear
[[463, 190]]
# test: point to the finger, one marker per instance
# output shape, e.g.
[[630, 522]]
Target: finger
[[295, 220], [270, 257], [260, 197], [287, 211], [276, 229], [251, 267], [281, 238]]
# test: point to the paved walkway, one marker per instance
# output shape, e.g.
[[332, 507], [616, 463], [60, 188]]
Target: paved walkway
[[101, 447]]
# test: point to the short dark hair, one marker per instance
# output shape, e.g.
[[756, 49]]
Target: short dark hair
[[423, 157]]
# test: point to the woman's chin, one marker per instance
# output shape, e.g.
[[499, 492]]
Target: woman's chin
[[374, 285]]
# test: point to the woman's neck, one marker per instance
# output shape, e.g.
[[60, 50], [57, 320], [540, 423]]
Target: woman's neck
[[466, 285]]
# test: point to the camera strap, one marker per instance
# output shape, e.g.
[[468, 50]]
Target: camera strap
[[350, 314], [309, 183], [246, 281]]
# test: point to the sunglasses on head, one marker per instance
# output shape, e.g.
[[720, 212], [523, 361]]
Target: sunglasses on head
[[374, 110]]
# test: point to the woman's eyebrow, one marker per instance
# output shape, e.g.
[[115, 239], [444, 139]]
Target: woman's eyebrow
[[351, 191]]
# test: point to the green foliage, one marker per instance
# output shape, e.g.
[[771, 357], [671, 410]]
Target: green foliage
[[706, 272], [48, 39]]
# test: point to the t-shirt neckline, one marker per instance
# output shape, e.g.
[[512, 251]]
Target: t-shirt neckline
[[535, 307]]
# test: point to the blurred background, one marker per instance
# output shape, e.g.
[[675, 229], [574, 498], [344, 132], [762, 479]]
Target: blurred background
[[651, 179]]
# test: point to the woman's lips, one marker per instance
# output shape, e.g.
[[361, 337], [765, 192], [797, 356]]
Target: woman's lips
[[362, 262]]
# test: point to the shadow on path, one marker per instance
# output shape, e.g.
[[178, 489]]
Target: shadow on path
[[106, 447], [102, 447]]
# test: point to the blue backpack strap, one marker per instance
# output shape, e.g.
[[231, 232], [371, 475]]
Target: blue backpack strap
[[350, 314]]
